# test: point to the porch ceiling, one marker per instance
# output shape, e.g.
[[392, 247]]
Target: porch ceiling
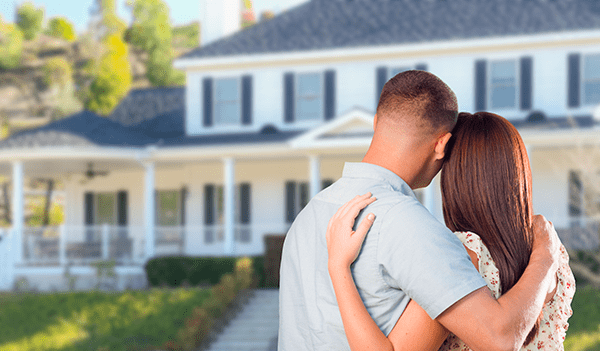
[[61, 168]]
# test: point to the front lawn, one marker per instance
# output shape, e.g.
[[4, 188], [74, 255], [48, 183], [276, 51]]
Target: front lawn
[[584, 325], [96, 321]]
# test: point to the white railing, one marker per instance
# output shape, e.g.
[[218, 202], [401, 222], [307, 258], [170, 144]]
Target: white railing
[[580, 233], [125, 245]]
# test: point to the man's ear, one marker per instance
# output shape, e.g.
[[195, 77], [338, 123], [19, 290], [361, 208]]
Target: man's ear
[[440, 145], [374, 122]]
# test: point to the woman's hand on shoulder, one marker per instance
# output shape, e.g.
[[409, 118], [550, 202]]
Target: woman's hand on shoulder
[[343, 243]]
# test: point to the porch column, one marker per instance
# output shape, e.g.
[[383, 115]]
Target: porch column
[[315, 175], [229, 204], [149, 208], [17, 209]]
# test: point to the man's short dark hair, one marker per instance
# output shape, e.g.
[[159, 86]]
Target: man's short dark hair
[[413, 94]]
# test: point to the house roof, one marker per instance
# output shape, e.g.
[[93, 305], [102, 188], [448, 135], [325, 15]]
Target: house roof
[[145, 117], [333, 24]]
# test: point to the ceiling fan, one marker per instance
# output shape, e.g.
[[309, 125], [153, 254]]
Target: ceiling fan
[[90, 173]]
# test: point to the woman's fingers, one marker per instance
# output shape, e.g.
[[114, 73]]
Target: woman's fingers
[[364, 227], [350, 205]]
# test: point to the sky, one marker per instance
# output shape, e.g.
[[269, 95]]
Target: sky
[[182, 11]]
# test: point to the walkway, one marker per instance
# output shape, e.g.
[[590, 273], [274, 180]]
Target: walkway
[[255, 327]]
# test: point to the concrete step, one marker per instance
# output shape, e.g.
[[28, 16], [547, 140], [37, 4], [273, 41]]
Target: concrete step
[[255, 327]]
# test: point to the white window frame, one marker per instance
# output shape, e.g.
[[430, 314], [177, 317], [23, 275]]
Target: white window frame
[[583, 80], [490, 85], [215, 102], [321, 94]]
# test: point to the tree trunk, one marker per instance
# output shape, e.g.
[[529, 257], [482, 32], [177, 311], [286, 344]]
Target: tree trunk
[[6, 203]]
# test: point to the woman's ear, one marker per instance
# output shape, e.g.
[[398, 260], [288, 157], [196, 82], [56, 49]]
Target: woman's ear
[[440, 145]]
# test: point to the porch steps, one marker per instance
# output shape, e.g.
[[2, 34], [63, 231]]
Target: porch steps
[[255, 327]]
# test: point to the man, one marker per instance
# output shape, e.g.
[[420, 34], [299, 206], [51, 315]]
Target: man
[[407, 254]]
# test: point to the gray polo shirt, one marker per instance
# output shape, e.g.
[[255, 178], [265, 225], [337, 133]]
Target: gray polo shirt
[[407, 254]]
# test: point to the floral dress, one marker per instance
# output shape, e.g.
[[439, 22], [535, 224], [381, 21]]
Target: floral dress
[[556, 312]]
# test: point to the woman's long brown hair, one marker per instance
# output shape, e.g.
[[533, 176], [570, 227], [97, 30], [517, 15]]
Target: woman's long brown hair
[[486, 189]]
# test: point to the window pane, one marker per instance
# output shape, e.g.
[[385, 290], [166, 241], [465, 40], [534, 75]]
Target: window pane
[[227, 101], [168, 208], [309, 97], [591, 79], [105, 211], [503, 84]]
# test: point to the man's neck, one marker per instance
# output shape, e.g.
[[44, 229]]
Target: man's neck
[[390, 162]]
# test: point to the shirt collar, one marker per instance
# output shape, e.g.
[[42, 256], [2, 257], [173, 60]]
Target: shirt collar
[[371, 171]]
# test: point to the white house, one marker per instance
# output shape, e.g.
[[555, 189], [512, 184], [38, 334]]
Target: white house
[[270, 114]]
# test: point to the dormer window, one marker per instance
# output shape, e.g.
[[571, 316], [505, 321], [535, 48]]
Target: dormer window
[[227, 104], [309, 97]]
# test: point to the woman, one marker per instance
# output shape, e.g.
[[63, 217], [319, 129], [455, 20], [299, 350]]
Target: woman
[[486, 195]]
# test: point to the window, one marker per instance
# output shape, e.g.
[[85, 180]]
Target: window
[[214, 213], [503, 84], [297, 195], [227, 101], [591, 79], [168, 204], [106, 209], [309, 97], [395, 70], [584, 194]]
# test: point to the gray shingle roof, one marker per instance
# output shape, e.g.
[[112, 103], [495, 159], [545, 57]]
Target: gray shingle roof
[[139, 120], [329, 24]]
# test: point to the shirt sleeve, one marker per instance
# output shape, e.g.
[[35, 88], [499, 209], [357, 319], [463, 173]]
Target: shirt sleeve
[[420, 256]]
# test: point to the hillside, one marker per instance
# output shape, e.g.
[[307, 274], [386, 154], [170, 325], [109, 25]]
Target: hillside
[[26, 98]]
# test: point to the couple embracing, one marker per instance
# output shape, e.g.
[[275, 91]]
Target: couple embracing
[[366, 267]]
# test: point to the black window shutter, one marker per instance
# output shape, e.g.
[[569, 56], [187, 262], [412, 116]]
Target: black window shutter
[[245, 203], [122, 208], [382, 78], [304, 194], [247, 100], [329, 94], [421, 67], [480, 85], [326, 182], [89, 208], [207, 87], [288, 97], [209, 204], [526, 82], [182, 198], [574, 84], [290, 201]]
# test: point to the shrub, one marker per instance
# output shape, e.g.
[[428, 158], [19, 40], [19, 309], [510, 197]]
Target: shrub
[[60, 27], [57, 70], [11, 46], [178, 271], [30, 19]]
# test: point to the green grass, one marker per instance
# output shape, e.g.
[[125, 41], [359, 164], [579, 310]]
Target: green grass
[[584, 325], [97, 321]]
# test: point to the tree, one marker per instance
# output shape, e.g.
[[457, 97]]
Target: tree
[[11, 45], [151, 32], [104, 19], [60, 27], [30, 19], [248, 18], [113, 77]]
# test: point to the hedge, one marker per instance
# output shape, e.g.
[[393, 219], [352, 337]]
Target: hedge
[[175, 271]]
